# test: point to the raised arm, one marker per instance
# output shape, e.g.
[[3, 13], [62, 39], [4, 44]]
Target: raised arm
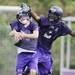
[[27, 8], [35, 16]]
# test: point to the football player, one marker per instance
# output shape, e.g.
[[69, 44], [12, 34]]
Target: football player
[[51, 28], [26, 33]]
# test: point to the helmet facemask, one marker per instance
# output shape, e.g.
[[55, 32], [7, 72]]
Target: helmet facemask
[[55, 13], [24, 14], [52, 17], [25, 20], [23, 17]]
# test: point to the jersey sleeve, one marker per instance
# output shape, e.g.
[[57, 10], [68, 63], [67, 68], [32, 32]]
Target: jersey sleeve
[[65, 29], [34, 26], [14, 25]]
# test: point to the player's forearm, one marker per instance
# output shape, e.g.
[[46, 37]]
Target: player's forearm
[[35, 34], [35, 16], [30, 36]]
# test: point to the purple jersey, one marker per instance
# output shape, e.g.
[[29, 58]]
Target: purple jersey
[[26, 43], [50, 32]]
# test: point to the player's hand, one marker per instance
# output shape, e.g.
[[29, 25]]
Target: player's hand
[[25, 7], [11, 33], [17, 36], [23, 34]]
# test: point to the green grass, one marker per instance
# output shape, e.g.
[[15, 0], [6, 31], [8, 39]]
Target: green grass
[[7, 51]]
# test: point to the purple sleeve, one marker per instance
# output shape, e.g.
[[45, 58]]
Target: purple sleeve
[[65, 29], [14, 25], [35, 26]]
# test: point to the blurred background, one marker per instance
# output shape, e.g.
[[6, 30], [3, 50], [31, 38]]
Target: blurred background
[[7, 49]]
